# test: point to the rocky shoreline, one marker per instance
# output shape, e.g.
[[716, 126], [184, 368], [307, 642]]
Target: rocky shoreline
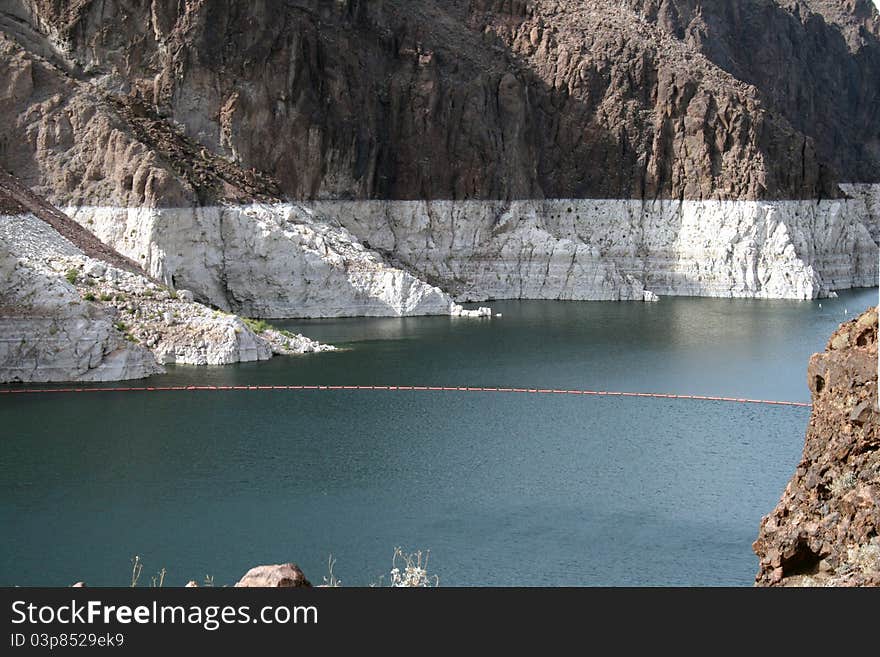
[[65, 316], [825, 531]]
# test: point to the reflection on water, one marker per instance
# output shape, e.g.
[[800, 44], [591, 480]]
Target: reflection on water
[[559, 490], [689, 346]]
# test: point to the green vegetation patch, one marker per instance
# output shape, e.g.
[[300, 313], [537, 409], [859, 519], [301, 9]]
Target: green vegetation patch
[[257, 325]]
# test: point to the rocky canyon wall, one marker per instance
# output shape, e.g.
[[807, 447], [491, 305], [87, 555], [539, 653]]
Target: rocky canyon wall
[[390, 157]]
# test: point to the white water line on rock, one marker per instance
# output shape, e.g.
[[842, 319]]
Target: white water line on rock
[[397, 258]]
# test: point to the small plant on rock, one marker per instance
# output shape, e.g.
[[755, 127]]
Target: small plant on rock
[[415, 570], [257, 325], [158, 580], [331, 580], [137, 568], [843, 483]]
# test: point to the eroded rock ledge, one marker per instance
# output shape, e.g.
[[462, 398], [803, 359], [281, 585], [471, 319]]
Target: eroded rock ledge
[[824, 531], [65, 316], [356, 258]]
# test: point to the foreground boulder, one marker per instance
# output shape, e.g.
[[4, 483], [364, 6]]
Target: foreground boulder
[[275, 576], [824, 531]]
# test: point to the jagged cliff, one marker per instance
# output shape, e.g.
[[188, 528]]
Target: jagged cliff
[[489, 99], [826, 528], [474, 148]]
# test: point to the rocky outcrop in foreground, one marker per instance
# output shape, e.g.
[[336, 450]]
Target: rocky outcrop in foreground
[[826, 528], [408, 570]]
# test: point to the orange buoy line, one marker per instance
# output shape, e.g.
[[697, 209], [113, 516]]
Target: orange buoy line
[[534, 391]]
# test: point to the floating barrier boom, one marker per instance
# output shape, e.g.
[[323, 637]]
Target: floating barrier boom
[[294, 388]]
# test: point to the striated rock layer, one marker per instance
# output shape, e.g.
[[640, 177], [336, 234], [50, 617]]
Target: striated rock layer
[[826, 528], [264, 260], [331, 258], [609, 249]]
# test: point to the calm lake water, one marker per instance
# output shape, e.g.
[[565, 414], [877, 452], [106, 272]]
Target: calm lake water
[[504, 489]]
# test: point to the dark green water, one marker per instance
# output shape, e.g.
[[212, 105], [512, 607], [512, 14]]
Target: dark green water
[[504, 489]]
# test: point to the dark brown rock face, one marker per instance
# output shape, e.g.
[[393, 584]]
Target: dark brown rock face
[[276, 576], [457, 99], [826, 528], [814, 62]]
